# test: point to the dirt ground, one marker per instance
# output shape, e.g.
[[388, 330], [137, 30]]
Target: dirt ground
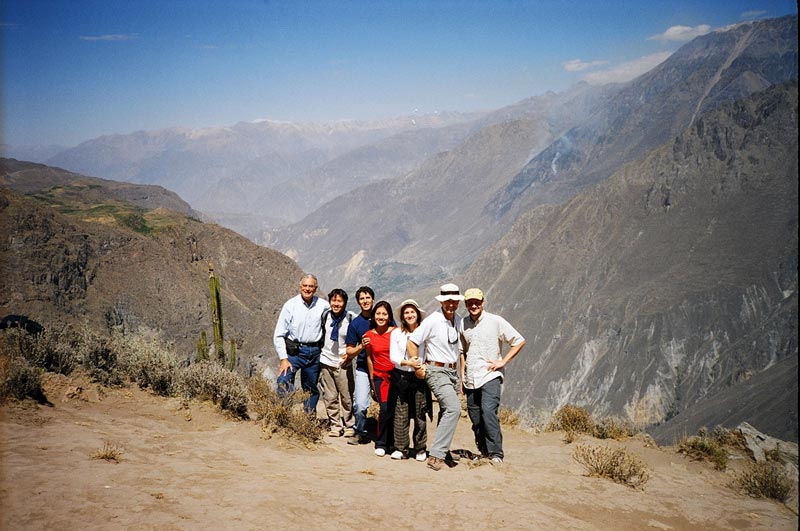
[[195, 468]]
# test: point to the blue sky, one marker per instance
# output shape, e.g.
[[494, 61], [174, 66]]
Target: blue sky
[[75, 70]]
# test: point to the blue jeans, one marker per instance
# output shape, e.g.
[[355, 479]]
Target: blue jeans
[[306, 361], [361, 395], [443, 383], [482, 406]]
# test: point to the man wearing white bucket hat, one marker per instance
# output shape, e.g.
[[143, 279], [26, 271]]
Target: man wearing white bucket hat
[[439, 334]]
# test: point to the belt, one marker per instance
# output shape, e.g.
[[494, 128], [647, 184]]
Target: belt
[[440, 364], [314, 344]]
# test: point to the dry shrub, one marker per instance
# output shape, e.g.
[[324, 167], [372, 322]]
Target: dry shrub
[[614, 428], [149, 363], [571, 418], [703, 447], [19, 379], [507, 416], [283, 413], [109, 452], [766, 479], [54, 350], [211, 381], [615, 464]]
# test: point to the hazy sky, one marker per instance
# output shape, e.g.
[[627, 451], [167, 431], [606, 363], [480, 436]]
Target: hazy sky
[[73, 70]]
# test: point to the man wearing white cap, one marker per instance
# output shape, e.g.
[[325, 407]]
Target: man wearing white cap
[[482, 370], [439, 334]]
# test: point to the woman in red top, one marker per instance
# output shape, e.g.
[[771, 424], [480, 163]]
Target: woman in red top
[[380, 367]]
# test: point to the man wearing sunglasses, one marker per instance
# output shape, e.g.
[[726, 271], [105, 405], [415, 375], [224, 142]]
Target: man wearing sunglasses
[[482, 370], [440, 333]]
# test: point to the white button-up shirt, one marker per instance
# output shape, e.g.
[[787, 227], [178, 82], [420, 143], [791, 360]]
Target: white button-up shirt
[[397, 350], [481, 342], [300, 322], [439, 336]]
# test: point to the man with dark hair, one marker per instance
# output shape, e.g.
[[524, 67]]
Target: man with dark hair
[[336, 380], [356, 348], [298, 338]]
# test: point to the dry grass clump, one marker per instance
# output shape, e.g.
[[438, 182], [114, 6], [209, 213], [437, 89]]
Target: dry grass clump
[[283, 413], [19, 379], [109, 452], [705, 447], [571, 418], [507, 416], [573, 421], [614, 428], [766, 479], [211, 381], [615, 464]]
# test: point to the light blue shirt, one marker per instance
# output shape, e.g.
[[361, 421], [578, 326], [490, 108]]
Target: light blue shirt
[[300, 322]]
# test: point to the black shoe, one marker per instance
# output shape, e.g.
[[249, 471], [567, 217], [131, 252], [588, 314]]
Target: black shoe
[[452, 457]]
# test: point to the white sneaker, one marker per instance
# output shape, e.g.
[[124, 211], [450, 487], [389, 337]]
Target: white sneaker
[[421, 456], [380, 452], [397, 454]]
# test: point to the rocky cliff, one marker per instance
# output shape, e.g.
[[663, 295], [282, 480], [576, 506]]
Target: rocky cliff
[[76, 253], [670, 283]]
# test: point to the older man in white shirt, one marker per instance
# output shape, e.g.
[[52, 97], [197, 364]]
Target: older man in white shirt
[[440, 334], [483, 368], [298, 341]]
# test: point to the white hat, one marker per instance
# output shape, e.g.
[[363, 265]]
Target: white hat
[[449, 292], [411, 302]]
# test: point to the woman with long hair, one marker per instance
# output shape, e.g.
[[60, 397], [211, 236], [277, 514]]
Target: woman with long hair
[[409, 394], [380, 367]]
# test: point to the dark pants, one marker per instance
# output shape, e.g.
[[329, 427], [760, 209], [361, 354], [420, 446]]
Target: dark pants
[[382, 390], [304, 360], [482, 406]]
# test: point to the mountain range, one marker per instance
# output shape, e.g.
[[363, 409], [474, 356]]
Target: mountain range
[[642, 236]]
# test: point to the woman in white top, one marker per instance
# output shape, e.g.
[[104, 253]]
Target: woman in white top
[[409, 394]]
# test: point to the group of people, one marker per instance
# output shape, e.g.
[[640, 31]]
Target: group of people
[[351, 358]]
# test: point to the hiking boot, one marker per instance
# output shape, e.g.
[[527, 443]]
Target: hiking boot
[[358, 439], [435, 463]]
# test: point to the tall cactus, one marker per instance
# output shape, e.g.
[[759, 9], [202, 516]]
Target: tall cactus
[[216, 312], [232, 365], [202, 347]]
